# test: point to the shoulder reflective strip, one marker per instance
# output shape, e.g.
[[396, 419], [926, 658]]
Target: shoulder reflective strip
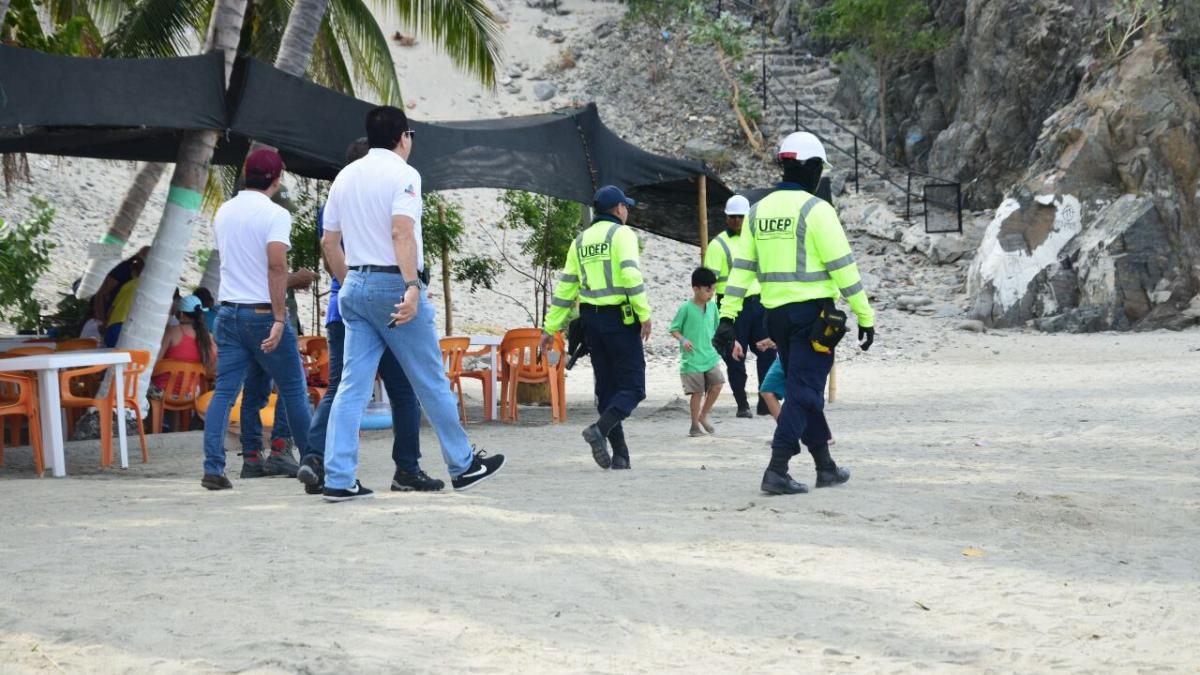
[[579, 257], [629, 263], [559, 302], [608, 270], [851, 290], [844, 261], [802, 273], [725, 246], [735, 291], [636, 290], [740, 264]]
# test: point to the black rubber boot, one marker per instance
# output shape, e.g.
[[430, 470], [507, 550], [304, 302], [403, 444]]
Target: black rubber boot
[[776, 483]]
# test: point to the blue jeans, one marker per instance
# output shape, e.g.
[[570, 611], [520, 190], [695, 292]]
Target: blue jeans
[[255, 393], [239, 336], [406, 413], [367, 300]]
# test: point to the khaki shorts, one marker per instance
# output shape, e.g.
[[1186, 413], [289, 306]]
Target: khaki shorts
[[698, 383]]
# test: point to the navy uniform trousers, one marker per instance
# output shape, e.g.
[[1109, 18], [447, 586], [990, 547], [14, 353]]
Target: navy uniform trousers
[[618, 363], [802, 419], [749, 326]]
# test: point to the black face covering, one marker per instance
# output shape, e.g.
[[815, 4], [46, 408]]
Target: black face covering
[[807, 174]]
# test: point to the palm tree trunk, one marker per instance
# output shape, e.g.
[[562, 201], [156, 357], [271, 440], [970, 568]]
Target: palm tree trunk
[[151, 306], [105, 254]]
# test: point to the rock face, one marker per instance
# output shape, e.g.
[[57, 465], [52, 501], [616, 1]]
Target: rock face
[[975, 111], [1102, 230]]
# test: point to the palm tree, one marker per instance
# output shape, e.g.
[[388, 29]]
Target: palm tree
[[147, 321]]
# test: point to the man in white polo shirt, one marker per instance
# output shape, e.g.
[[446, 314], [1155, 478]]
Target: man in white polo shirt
[[253, 235], [374, 208]]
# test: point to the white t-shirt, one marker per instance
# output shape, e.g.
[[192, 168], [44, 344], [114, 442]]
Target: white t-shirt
[[242, 229], [363, 199]]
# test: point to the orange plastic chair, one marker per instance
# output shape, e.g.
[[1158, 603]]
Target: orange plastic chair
[[72, 398], [484, 375], [19, 398], [523, 364], [78, 344], [34, 350], [186, 381], [453, 349], [138, 363], [29, 351], [266, 414], [314, 355]]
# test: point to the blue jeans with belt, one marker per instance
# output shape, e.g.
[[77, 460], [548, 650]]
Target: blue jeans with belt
[[367, 301], [240, 333], [802, 418], [406, 413]]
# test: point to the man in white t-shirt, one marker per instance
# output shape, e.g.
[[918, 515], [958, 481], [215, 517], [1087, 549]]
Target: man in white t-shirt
[[253, 235], [374, 209]]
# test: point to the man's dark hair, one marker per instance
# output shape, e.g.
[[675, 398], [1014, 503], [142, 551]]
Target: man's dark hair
[[357, 149], [807, 173], [258, 182], [385, 125], [206, 297], [702, 276]]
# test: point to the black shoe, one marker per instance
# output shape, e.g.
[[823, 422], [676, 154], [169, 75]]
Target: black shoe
[[318, 489], [620, 462], [311, 472], [253, 468], [356, 492], [762, 407], [420, 481], [832, 477], [281, 462], [599, 446], [745, 412], [482, 468], [212, 481], [781, 484]]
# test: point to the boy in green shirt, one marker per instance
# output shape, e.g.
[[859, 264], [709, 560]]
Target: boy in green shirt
[[694, 326]]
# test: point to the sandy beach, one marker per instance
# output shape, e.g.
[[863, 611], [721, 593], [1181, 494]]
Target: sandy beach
[[1020, 503]]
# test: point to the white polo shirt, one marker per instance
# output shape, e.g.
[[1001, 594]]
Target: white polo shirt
[[242, 229], [363, 199]]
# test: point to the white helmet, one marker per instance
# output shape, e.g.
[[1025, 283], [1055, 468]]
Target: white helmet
[[737, 206], [802, 146]]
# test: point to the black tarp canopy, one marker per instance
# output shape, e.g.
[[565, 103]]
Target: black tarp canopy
[[138, 109]]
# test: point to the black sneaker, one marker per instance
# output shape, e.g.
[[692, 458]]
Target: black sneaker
[[620, 462], [312, 472], [405, 481], [829, 478], [762, 407], [356, 492], [482, 468], [774, 483], [318, 489], [745, 412], [212, 481], [599, 446], [281, 461], [253, 468]]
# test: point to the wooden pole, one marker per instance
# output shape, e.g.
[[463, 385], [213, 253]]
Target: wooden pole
[[446, 274], [703, 206]]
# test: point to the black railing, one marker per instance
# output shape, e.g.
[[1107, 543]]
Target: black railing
[[941, 188]]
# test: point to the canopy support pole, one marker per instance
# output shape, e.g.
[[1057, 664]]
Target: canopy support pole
[[703, 207]]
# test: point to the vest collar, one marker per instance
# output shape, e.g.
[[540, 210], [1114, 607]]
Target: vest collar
[[606, 217]]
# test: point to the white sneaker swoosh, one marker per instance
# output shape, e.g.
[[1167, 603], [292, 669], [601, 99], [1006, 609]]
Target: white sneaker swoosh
[[481, 471], [353, 490]]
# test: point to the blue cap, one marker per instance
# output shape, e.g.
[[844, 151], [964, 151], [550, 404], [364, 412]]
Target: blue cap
[[189, 304], [609, 196]]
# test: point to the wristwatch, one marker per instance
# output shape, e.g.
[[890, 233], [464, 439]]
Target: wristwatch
[[412, 282]]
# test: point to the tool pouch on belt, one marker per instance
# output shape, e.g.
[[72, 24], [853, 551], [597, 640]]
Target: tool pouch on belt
[[829, 329]]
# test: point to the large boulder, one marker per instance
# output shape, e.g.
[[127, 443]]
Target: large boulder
[[1101, 232]]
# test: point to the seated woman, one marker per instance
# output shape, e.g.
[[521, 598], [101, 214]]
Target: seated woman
[[189, 341]]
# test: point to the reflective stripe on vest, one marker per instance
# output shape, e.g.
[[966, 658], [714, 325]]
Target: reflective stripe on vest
[[609, 288], [728, 257], [801, 274]]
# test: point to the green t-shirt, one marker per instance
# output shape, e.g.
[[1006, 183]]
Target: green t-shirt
[[698, 325]]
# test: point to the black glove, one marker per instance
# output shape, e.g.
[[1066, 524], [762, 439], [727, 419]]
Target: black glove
[[866, 338], [725, 336]]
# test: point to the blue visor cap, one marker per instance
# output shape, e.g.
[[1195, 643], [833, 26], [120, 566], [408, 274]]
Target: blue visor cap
[[609, 196]]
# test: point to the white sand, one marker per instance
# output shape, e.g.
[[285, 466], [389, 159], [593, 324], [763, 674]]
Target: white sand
[[1069, 461]]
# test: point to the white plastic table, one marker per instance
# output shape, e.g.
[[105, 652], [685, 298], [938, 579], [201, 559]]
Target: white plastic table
[[50, 402], [492, 342]]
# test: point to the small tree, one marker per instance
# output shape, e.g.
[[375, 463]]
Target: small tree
[[552, 225], [442, 230], [24, 257], [889, 30]]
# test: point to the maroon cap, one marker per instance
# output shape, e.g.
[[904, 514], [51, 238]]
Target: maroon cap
[[264, 163]]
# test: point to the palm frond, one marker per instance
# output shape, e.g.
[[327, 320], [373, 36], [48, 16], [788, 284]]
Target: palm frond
[[363, 41], [263, 30], [219, 187], [328, 67], [465, 29], [157, 28]]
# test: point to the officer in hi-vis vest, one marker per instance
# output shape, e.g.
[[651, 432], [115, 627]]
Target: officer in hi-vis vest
[[798, 251], [750, 326], [602, 271]]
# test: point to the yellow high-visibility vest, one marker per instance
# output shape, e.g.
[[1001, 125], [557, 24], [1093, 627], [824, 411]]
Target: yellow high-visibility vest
[[719, 258], [798, 251], [601, 269]]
